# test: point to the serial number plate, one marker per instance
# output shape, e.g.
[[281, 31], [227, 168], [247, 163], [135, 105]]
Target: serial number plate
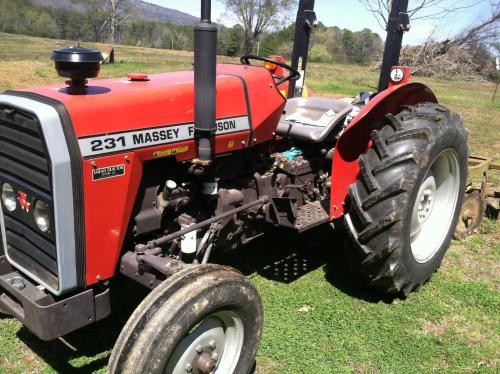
[[108, 172]]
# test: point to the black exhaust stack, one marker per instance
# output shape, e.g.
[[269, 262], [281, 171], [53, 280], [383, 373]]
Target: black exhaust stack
[[205, 49], [399, 22]]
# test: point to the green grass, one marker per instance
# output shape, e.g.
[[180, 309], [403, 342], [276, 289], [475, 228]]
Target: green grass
[[318, 317]]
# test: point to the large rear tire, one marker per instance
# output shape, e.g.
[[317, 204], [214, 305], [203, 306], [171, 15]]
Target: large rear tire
[[405, 204], [204, 319]]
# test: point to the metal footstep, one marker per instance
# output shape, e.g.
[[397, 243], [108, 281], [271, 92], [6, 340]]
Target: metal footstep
[[310, 215]]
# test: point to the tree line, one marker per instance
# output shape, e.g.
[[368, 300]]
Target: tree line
[[328, 44], [22, 17]]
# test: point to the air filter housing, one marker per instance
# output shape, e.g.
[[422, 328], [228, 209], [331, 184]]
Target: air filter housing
[[78, 64]]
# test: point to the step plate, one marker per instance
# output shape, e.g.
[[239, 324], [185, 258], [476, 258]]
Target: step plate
[[310, 215]]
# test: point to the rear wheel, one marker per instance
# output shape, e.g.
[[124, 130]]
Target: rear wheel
[[206, 319], [405, 205]]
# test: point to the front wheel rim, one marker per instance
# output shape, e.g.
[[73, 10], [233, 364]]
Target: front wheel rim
[[435, 206], [213, 346]]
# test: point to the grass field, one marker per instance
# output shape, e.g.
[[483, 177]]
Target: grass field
[[319, 318]]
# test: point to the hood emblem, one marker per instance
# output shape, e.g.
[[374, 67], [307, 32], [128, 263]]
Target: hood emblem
[[23, 201]]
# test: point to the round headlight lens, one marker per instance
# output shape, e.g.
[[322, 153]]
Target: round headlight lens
[[42, 217], [9, 197]]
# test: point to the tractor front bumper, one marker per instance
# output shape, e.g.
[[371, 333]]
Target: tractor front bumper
[[46, 317]]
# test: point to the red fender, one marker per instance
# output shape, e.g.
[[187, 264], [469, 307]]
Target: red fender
[[355, 140]]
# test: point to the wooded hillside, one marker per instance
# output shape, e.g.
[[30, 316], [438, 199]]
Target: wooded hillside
[[81, 22]]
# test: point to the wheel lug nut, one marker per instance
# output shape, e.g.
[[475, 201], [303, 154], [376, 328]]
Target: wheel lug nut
[[199, 349], [212, 345], [189, 368], [215, 356]]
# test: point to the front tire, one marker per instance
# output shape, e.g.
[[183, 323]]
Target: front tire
[[204, 319], [405, 204]]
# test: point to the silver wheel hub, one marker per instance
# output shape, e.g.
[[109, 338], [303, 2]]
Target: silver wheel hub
[[211, 347], [435, 206], [426, 198]]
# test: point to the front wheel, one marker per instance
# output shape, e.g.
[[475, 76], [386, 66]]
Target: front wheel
[[206, 319], [405, 204]]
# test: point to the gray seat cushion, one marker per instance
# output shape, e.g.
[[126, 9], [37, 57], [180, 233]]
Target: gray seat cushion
[[312, 119]]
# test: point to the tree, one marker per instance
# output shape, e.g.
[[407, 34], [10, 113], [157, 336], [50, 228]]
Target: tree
[[367, 47], [277, 42], [259, 16], [118, 12], [106, 15], [417, 9], [318, 53], [95, 18], [229, 40]]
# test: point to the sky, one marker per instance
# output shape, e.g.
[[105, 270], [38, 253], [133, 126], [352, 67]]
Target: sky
[[352, 15]]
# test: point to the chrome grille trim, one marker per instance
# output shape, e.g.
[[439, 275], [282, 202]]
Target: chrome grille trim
[[62, 193]]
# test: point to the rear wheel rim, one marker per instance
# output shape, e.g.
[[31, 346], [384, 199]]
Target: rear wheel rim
[[435, 206], [213, 346]]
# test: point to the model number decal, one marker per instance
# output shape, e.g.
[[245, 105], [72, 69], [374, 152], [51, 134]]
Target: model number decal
[[110, 143], [107, 143], [108, 172]]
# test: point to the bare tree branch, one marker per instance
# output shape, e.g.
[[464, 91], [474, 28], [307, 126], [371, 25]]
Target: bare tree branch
[[486, 30], [417, 9], [380, 9]]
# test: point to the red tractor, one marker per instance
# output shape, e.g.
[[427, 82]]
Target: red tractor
[[150, 176]]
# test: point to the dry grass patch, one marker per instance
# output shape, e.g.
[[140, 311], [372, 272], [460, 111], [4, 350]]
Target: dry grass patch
[[436, 328], [366, 368]]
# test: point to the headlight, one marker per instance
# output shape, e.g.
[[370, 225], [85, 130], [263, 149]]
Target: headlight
[[9, 197], [42, 217]]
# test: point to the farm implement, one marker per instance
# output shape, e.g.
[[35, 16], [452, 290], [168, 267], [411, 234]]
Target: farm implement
[[477, 194]]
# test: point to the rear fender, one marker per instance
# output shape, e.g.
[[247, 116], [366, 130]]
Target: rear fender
[[355, 140]]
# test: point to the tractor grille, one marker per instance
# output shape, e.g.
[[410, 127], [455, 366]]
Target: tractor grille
[[25, 165]]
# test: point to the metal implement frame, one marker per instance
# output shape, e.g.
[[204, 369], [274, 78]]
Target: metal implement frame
[[479, 165]]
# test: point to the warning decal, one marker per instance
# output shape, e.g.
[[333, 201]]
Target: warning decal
[[123, 141]]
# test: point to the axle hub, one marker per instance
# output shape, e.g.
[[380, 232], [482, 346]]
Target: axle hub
[[204, 363]]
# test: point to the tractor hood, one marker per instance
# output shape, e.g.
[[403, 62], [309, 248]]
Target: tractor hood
[[121, 104]]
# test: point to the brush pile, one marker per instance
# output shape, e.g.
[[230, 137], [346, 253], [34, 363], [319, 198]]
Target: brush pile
[[440, 59]]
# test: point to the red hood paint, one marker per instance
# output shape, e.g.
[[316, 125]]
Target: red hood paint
[[119, 104]]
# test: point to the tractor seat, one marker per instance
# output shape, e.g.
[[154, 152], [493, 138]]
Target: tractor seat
[[312, 119]]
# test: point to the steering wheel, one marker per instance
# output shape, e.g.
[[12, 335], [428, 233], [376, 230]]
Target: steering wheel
[[293, 76]]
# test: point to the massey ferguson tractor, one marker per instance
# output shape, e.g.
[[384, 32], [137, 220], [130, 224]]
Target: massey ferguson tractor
[[152, 176]]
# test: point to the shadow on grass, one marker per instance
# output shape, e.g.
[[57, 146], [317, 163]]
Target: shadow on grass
[[492, 212], [87, 350], [285, 257], [280, 256]]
